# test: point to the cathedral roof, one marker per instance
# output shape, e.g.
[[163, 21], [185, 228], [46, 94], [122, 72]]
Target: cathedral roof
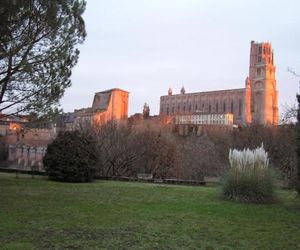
[[214, 91], [101, 100], [111, 90]]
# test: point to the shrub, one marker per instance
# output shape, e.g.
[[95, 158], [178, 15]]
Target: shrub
[[71, 157], [249, 178]]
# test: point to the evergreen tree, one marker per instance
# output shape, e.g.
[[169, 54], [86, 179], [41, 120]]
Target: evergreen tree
[[298, 146], [297, 134], [38, 40]]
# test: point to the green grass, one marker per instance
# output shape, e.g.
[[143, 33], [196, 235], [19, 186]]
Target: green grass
[[41, 214]]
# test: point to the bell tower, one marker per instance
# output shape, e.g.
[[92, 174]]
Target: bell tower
[[264, 94]]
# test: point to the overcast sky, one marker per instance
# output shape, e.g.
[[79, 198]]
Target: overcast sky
[[147, 46]]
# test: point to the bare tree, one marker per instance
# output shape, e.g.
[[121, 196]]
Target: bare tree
[[116, 149], [289, 113], [157, 152]]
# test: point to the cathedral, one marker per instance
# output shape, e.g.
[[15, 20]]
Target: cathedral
[[257, 102]]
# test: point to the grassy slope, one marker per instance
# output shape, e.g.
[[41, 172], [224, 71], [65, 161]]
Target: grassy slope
[[42, 214]]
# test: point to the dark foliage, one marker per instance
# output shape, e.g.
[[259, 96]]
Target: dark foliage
[[151, 148], [71, 157], [298, 145]]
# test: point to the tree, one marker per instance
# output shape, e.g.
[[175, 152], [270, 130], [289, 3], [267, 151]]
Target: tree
[[298, 146], [157, 152], [71, 157], [116, 146], [292, 71], [127, 151], [146, 111], [38, 50], [289, 114]]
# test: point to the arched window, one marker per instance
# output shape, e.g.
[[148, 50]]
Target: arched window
[[258, 72]]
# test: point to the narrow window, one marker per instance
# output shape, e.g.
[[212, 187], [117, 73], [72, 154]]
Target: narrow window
[[209, 108], [224, 107], [217, 107], [240, 107], [259, 59], [231, 108]]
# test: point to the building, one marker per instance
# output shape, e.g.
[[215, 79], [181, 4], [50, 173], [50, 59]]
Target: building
[[197, 123], [11, 122], [257, 102], [205, 119], [27, 146], [107, 105]]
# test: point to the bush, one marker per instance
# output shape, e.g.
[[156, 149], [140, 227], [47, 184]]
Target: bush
[[71, 157], [249, 178]]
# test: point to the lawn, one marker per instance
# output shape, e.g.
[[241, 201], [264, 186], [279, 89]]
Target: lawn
[[42, 214]]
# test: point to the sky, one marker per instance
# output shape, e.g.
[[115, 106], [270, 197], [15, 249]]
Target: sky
[[148, 46]]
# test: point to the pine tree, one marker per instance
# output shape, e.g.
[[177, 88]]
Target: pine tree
[[38, 40]]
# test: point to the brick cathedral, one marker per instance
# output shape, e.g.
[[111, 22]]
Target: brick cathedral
[[256, 103]]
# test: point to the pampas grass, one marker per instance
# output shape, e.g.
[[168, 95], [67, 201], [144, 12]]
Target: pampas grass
[[249, 178]]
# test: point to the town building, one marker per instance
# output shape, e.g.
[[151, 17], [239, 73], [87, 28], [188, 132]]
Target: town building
[[27, 145], [11, 122], [257, 102], [107, 105]]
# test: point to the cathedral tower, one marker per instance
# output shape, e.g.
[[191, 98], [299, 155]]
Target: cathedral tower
[[264, 94]]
